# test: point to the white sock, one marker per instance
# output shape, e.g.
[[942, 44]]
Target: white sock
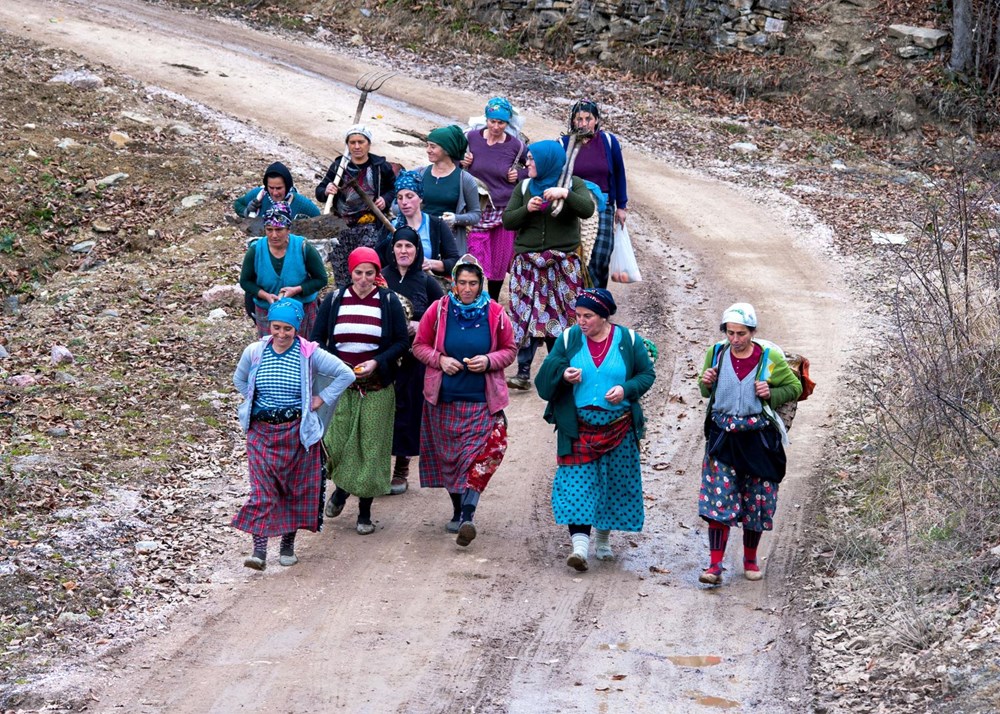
[[602, 545], [581, 545]]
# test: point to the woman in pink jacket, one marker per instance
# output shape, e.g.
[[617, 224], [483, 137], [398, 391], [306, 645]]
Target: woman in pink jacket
[[466, 341]]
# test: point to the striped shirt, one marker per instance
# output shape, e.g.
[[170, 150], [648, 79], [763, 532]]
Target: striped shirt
[[359, 327], [278, 383]]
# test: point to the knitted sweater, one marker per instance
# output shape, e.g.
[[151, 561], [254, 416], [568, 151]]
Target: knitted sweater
[[539, 231]]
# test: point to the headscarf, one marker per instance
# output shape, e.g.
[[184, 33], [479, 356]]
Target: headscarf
[[550, 157], [278, 216], [363, 255], [499, 108], [411, 181], [585, 105], [599, 300], [359, 129], [742, 313], [286, 310], [410, 236], [468, 315], [281, 171], [451, 139]]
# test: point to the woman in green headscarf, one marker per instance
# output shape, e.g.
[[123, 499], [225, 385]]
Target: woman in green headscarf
[[450, 193]]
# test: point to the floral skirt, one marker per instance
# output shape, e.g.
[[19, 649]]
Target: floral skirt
[[736, 498], [543, 290]]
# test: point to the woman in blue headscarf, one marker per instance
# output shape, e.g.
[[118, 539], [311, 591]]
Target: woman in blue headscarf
[[436, 239], [547, 272]]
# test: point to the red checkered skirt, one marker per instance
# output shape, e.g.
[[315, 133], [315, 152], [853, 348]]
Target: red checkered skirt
[[285, 482], [461, 445]]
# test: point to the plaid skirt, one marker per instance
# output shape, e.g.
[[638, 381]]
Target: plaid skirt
[[604, 244], [543, 290], [305, 329], [492, 245], [461, 445], [285, 482]]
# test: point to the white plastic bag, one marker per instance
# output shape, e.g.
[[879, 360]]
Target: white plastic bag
[[623, 266]]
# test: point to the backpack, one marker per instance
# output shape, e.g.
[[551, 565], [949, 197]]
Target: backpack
[[798, 364]]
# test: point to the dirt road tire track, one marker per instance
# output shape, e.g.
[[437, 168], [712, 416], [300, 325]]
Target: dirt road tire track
[[405, 621]]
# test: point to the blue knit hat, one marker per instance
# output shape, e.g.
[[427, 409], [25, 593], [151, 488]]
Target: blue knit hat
[[286, 310]]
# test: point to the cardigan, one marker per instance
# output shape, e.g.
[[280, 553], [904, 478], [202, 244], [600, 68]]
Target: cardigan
[[561, 408], [428, 346], [617, 186], [538, 231], [392, 343]]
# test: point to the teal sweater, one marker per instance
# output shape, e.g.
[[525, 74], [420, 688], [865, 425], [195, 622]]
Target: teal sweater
[[561, 408]]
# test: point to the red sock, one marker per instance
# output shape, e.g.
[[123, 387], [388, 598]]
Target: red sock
[[750, 541], [718, 536]]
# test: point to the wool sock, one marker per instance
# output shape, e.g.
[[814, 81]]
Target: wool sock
[[718, 536], [260, 546], [581, 545], [602, 545], [288, 543], [340, 496], [470, 499], [751, 539], [365, 510], [402, 468], [456, 506]]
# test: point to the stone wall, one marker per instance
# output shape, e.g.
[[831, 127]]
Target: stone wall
[[596, 27]]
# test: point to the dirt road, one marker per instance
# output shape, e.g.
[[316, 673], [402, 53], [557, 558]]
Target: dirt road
[[404, 620]]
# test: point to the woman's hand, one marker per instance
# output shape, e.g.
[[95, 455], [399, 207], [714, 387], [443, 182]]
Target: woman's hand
[[467, 161], [380, 203], [477, 364], [449, 218], [512, 175], [615, 395], [708, 378], [331, 189], [316, 403], [450, 365], [290, 291], [267, 297], [411, 327], [573, 375], [366, 368], [620, 216], [763, 390], [537, 204], [434, 266], [555, 193]]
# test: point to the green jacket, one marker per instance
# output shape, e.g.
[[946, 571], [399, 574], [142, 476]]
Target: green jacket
[[538, 231], [561, 408], [784, 383]]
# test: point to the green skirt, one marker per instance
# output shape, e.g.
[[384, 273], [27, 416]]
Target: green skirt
[[359, 442]]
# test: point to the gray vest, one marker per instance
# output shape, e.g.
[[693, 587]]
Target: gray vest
[[732, 396]]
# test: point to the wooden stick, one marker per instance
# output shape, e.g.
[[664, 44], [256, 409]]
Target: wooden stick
[[371, 205]]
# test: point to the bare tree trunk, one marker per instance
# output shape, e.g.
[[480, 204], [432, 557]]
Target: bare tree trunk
[[963, 37]]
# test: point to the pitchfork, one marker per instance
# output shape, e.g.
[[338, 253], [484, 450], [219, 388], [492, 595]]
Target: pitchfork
[[566, 177], [367, 83]]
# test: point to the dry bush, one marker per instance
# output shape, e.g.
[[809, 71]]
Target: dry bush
[[933, 390]]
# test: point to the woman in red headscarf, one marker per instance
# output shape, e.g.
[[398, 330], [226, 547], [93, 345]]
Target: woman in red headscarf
[[364, 325]]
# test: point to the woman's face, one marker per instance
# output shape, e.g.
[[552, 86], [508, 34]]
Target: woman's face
[[277, 237], [591, 324], [409, 203], [405, 253], [495, 128], [532, 169], [435, 153], [467, 286], [363, 278], [358, 147], [739, 337], [282, 335], [584, 121]]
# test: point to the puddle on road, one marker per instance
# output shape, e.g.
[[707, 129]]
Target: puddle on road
[[695, 660], [623, 646], [707, 700]]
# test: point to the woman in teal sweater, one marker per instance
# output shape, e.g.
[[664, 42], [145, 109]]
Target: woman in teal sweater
[[592, 380], [746, 380]]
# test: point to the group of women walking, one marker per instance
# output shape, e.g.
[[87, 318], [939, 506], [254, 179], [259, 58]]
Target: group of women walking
[[406, 357]]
